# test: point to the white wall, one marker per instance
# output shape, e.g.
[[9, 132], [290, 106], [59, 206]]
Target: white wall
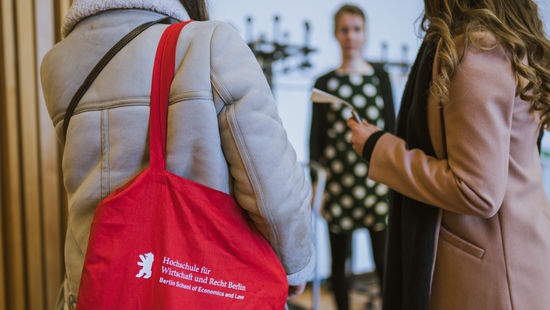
[[544, 11]]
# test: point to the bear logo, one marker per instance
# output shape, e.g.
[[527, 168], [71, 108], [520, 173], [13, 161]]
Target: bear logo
[[146, 263]]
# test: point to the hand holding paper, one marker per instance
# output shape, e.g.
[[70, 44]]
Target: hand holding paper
[[320, 96]]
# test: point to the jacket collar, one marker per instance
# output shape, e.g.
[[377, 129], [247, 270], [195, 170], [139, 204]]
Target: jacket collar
[[81, 9]]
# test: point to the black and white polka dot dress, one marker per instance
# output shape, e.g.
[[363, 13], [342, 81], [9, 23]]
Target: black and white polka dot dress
[[351, 199]]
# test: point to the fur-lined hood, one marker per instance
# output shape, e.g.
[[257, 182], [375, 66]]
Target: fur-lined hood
[[81, 9]]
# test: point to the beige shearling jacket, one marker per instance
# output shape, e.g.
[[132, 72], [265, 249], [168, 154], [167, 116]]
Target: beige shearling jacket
[[223, 127]]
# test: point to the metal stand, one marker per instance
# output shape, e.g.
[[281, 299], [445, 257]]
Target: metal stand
[[268, 52], [403, 64], [317, 200]]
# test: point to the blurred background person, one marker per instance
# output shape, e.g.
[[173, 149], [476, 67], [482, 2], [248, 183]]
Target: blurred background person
[[351, 201], [470, 222]]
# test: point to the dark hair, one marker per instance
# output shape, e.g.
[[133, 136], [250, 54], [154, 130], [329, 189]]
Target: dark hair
[[196, 9], [351, 9]]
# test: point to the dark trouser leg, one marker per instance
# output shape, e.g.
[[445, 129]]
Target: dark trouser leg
[[378, 242], [340, 245]]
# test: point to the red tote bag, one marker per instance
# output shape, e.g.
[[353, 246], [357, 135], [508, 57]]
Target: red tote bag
[[164, 242]]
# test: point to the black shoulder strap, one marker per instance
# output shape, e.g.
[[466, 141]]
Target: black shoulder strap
[[100, 65]]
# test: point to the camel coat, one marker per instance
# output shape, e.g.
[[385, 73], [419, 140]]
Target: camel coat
[[493, 233]]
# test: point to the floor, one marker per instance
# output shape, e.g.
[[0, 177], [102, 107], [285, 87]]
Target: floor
[[365, 295]]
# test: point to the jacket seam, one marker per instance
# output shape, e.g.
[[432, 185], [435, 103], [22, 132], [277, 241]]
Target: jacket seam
[[251, 171], [224, 93], [505, 262], [95, 106], [436, 247], [220, 88], [126, 102], [183, 97], [104, 171]]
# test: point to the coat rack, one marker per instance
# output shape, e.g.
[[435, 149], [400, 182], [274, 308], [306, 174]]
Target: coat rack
[[403, 63], [279, 50]]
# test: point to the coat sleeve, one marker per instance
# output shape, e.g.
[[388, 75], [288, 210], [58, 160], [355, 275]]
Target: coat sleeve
[[477, 118], [268, 182]]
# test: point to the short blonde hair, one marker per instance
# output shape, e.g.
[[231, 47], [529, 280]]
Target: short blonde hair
[[350, 9]]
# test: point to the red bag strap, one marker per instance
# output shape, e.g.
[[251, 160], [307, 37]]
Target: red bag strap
[[163, 73]]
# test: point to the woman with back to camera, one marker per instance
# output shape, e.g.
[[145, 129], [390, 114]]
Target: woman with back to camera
[[469, 227], [223, 128], [352, 201]]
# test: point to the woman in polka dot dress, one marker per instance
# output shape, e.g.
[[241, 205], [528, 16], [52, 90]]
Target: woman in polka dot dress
[[351, 201]]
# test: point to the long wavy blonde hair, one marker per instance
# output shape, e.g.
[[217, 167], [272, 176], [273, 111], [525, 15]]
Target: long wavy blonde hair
[[517, 27]]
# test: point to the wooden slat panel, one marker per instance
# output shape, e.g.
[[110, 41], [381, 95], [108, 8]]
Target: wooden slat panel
[[3, 287], [3, 303], [61, 9], [3, 202], [11, 181], [50, 171], [64, 9], [32, 215], [26, 66]]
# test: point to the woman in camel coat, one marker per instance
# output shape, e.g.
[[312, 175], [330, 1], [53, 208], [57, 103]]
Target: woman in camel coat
[[470, 221]]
